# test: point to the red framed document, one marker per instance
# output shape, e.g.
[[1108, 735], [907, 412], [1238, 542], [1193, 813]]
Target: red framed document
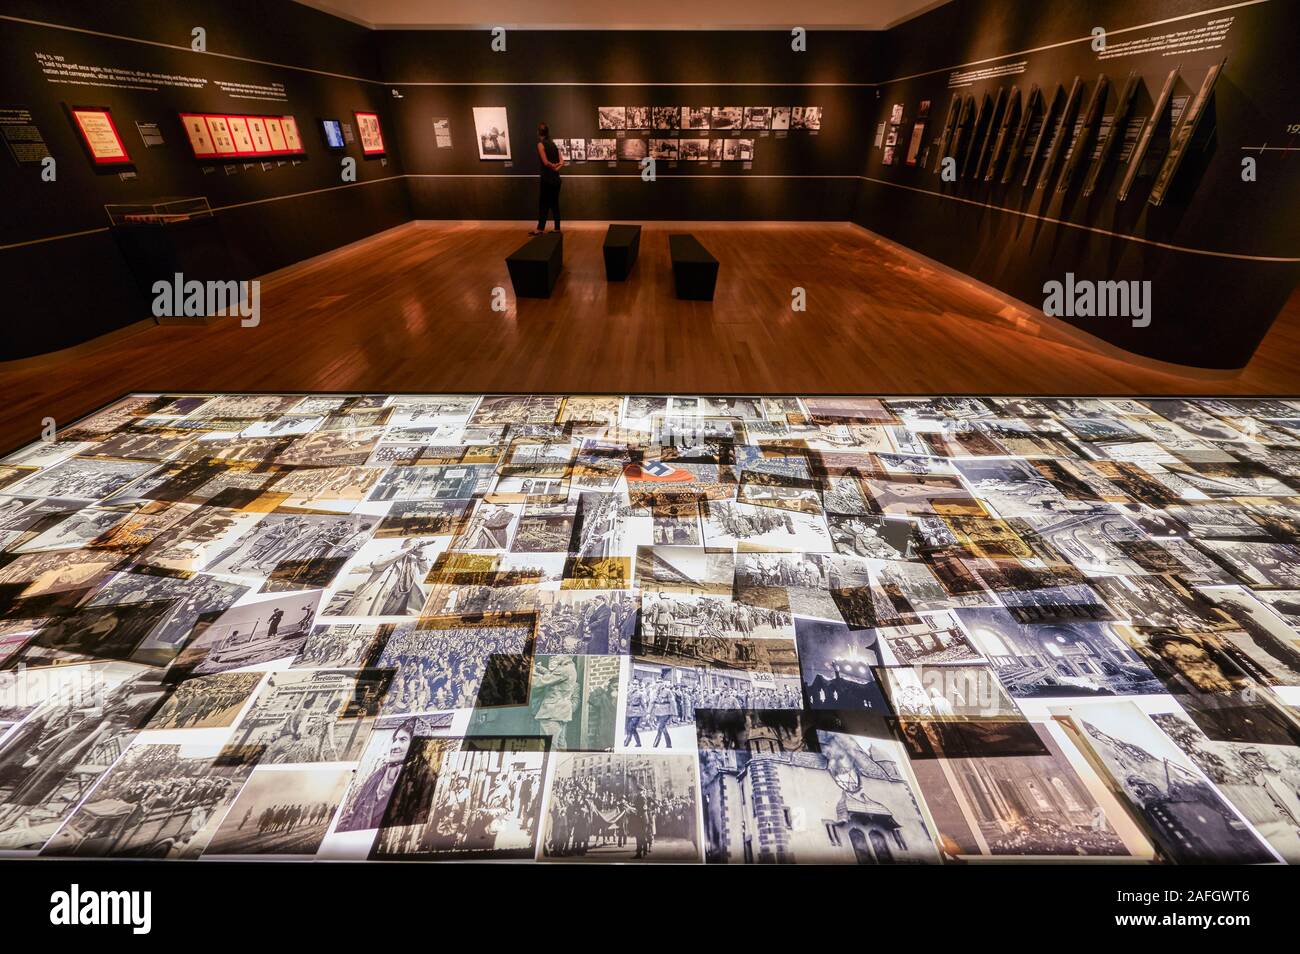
[[292, 141], [257, 129], [221, 138], [196, 129], [275, 132], [239, 133], [99, 135], [371, 136]]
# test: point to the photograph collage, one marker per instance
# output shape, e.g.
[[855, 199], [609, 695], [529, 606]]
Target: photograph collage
[[682, 133], [646, 628]]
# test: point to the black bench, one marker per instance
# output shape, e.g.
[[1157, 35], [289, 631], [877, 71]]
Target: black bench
[[695, 271], [535, 266], [622, 242]]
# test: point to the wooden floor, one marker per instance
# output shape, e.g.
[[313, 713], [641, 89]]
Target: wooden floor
[[410, 310]]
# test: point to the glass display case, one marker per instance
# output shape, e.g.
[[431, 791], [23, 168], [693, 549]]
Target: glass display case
[[161, 212]]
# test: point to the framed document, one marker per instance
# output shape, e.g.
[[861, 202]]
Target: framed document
[[1022, 133], [1064, 132], [1081, 150], [1118, 122], [995, 123], [1148, 132], [99, 135], [1010, 120], [1044, 130], [292, 141], [257, 129], [219, 129], [196, 129], [1182, 137], [239, 133], [275, 132], [371, 136], [945, 137], [492, 129]]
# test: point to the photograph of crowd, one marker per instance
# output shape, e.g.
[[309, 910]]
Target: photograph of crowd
[[582, 628]]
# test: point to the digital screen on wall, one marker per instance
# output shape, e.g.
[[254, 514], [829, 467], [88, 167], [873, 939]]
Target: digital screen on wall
[[333, 130]]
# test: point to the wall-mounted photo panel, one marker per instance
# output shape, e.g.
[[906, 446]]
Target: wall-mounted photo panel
[[238, 126], [1158, 110], [368, 132], [257, 129], [610, 117], [275, 132], [695, 150], [219, 129], [728, 117], [664, 148], [668, 117], [634, 149], [780, 118], [696, 117], [1178, 146], [293, 142], [638, 117], [200, 139], [602, 150], [758, 117], [806, 117], [99, 135], [492, 130]]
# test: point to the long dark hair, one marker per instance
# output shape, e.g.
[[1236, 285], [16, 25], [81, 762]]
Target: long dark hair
[[544, 131]]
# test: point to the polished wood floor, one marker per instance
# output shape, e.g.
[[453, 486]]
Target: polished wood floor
[[410, 309]]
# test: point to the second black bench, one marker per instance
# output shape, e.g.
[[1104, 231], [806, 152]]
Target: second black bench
[[622, 242], [695, 271], [535, 266]]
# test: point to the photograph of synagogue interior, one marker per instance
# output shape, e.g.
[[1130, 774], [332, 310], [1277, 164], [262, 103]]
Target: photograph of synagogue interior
[[574, 433]]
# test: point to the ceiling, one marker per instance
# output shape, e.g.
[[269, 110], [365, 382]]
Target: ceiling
[[611, 15]]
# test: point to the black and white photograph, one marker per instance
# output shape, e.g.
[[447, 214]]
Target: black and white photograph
[[281, 812], [632, 148], [1057, 659], [695, 117], [728, 117], [1186, 818], [311, 715], [158, 801], [622, 808], [806, 117], [486, 804], [666, 117], [492, 130], [456, 666], [253, 634], [1042, 807], [612, 117], [602, 150]]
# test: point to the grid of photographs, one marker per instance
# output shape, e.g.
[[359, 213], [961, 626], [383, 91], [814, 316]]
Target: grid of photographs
[[654, 628], [693, 118], [691, 126]]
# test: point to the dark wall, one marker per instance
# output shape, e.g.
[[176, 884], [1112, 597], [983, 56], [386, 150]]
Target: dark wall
[[1210, 307], [72, 289], [562, 77]]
